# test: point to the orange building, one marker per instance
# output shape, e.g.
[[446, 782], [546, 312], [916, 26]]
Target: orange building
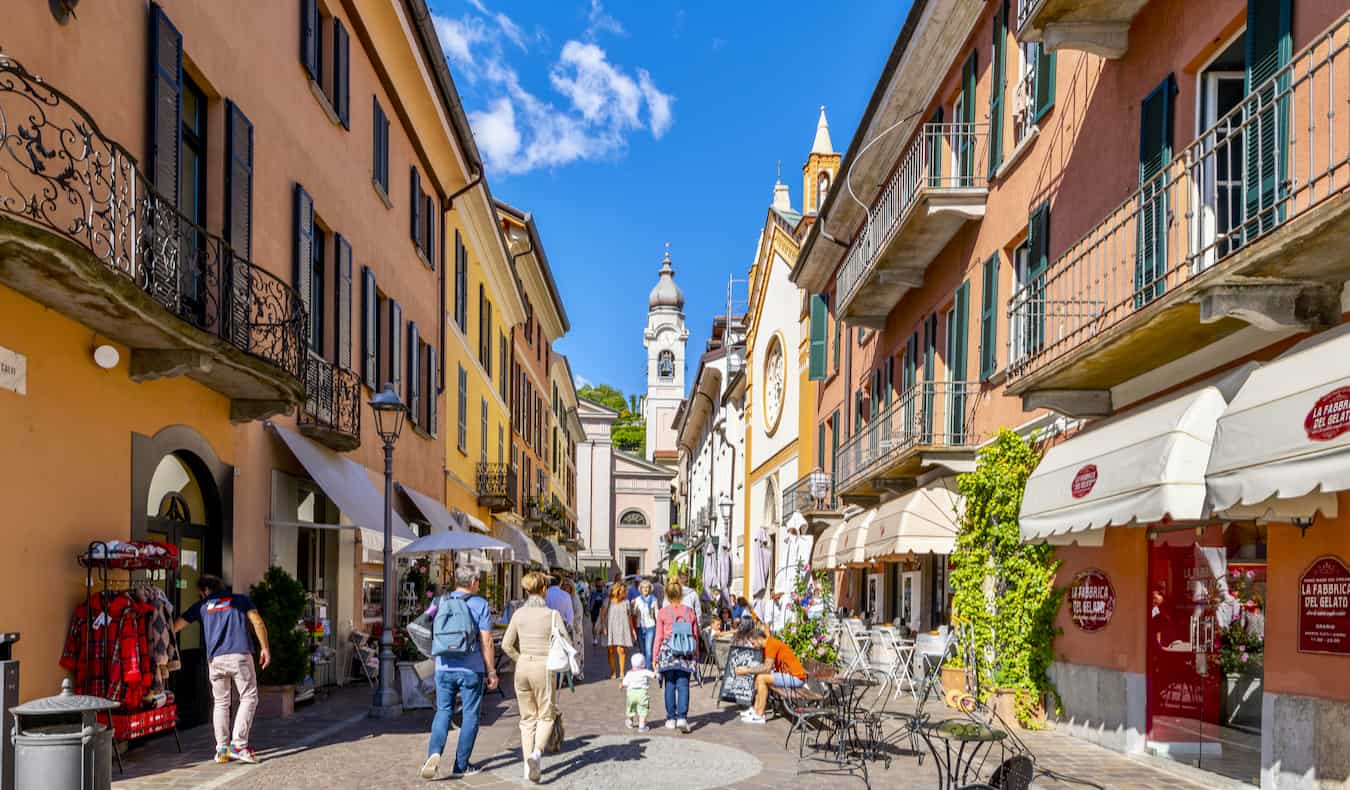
[[219, 235], [1138, 209]]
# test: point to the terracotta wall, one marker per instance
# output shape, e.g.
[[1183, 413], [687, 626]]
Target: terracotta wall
[[1120, 644]]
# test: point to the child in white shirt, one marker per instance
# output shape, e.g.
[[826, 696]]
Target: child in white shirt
[[637, 680]]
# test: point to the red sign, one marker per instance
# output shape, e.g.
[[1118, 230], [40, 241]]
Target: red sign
[[1092, 600], [1324, 607], [1084, 481], [1330, 416]]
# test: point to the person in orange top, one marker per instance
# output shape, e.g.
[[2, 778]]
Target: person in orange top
[[781, 668]]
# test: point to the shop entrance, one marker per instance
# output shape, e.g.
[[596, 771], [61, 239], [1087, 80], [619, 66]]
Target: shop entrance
[[178, 511], [1206, 634]]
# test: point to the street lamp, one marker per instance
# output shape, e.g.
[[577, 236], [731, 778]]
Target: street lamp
[[725, 506], [389, 413]]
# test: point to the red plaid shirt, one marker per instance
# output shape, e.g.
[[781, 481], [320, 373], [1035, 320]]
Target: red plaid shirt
[[104, 648]]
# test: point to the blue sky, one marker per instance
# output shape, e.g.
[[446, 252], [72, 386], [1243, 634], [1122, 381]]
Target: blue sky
[[623, 126]]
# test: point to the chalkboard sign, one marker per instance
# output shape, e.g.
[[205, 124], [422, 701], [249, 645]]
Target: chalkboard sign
[[740, 688]]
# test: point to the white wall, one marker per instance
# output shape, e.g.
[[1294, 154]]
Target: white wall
[[779, 316]]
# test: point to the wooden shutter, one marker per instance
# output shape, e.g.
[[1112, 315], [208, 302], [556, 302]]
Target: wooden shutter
[[463, 409], [415, 206], [487, 340], [304, 255], [1155, 153], [342, 73], [238, 181], [961, 315], [502, 367], [965, 136], [999, 58], [890, 381], [935, 150], [989, 319], [342, 301], [429, 230], [1269, 49], [396, 345], [433, 366], [461, 282], [819, 332], [414, 375], [379, 168], [309, 37], [482, 329], [370, 325], [1038, 242], [166, 106], [1045, 82]]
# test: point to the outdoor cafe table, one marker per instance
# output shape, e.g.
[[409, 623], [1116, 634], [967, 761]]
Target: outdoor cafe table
[[852, 731], [962, 743]]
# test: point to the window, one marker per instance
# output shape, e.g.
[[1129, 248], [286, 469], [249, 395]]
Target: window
[[501, 443], [342, 301], [635, 519], [963, 135], [192, 196], [462, 435], [379, 168], [999, 56], [461, 284], [325, 54], [414, 394], [370, 329], [1155, 154], [484, 330], [502, 367], [958, 323], [316, 289], [822, 189], [989, 319], [1035, 88], [838, 341], [820, 446], [1018, 306], [483, 432], [429, 362], [665, 365]]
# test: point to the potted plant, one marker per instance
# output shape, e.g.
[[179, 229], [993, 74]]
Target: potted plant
[[1241, 658], [280, 601]]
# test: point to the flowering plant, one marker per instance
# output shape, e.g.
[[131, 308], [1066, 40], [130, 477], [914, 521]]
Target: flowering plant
[[1241, 652], [810, 638]]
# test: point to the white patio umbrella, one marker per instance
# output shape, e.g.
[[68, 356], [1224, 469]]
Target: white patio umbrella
[[763, 558], [438, 542]]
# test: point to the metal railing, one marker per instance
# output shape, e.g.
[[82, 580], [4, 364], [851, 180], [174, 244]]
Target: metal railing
[[496, 485], [332, 398], [941, 156], [1025, 10], [1282, 151], [929, 414], [815, 492], [60, 173]]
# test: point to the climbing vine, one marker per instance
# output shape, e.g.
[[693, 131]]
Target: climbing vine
[[1003, 589]]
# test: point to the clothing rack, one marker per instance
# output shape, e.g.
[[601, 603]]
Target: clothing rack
[[97, 562]]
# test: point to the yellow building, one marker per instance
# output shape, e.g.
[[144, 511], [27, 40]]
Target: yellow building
[[566, 431]]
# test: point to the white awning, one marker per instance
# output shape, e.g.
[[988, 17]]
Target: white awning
[[922, 521], [454, 540], [523, 549], [1139, 468], [345, 482], [1282, 449], [823, 554], [435, 513], [473, 522], [854, 540]]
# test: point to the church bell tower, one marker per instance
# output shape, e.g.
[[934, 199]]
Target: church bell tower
[[664, 338]]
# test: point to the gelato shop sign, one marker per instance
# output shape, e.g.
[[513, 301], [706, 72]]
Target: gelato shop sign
[[1324, 607]]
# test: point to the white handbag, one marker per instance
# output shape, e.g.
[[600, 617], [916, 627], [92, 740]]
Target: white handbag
[[561, 655]]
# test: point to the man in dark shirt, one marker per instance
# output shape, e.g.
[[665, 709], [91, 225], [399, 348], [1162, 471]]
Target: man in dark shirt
[[229, 652]]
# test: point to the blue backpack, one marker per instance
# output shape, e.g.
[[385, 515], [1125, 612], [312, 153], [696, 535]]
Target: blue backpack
[[682, 644], [453, 632]]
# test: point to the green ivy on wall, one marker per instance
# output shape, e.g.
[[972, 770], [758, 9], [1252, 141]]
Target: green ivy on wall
[[1004, 589]]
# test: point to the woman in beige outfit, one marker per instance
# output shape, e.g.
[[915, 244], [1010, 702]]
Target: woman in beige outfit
[[527, 642]]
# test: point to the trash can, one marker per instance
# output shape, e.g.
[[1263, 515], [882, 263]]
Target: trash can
[[59, 743]]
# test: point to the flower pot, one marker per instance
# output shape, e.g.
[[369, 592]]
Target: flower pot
[[276, 702], [953, 683], [1242, 700]]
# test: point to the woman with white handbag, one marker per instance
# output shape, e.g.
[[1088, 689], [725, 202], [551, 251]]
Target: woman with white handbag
[[536, 639]]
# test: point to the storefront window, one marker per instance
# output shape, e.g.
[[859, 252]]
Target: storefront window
[[372, 598]]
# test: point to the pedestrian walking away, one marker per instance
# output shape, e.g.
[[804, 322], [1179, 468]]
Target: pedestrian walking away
[[597, 603], [616, 629], [461, 639], [638, 700], [645, 607], [676, 653], [527, 640], [229, 654], [559, 600]]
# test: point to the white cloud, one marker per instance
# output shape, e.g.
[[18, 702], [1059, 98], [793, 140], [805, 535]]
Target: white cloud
[[601, 92], [658, 104], [458, 37], [600, 22], [496, 132], [581, 381]]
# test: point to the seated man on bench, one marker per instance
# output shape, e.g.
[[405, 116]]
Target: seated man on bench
[[781, 669]]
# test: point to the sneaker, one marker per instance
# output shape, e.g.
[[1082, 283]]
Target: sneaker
[[429, 767], [469, 770], [244, 754], [533, 765], [670, 724], [222, 755], [643, 728], [747, 712], [629, 723], [683, 726], [753, 719]]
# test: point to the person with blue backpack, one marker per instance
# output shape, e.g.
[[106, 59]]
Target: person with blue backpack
[[676, 650], [461, 640]]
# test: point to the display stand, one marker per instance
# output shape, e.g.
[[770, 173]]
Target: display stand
[[97, 562]]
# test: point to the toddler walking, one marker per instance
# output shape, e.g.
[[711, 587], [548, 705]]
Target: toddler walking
[[637, 680]]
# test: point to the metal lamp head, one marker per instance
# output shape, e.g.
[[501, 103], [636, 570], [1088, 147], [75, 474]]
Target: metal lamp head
[[725, 507], [389, 413]]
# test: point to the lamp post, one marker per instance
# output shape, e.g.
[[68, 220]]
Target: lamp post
[[389, 413], [725, 507]]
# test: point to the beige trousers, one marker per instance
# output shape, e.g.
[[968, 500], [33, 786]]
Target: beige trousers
[[233, 669], [537, 694]]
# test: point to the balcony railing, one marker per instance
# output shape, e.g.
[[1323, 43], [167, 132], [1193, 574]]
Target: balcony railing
[[1281, 152], [496, 486], [813, 493], [332, 410], [930, 415], [58, 172], [942, 156]]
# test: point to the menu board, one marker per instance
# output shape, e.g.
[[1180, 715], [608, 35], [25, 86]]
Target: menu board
[[1324, 607], [1092, 600]]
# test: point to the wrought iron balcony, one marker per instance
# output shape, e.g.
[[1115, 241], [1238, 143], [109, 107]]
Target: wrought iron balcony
[[940, 184], [1101, 28], [930, 424], [496, 486], [331, 414], [1249, 221], [83, 232], [813, 494]]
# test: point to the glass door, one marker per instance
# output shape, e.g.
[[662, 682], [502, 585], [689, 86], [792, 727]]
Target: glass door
[[189, 683]]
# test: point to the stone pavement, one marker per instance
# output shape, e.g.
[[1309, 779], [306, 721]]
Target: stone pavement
[[333, 744]]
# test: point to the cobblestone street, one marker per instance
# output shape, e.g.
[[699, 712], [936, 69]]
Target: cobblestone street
[[333, 744]]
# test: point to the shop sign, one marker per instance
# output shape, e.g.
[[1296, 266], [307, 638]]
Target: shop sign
[[1084, 481], [1329, 417], [1324, 607], [1092, 600], [13, 371]]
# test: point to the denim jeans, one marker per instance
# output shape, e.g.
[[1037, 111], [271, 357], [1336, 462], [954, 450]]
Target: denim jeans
[[646, 640], [677, 693], [469, 687]]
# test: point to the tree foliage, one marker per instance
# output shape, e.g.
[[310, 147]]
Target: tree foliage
[[629, 432], [1003, 589], [280, 600]]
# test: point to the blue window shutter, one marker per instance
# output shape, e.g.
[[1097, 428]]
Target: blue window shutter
[[238, 181], [304, 252], [342, 73], [309, 37]]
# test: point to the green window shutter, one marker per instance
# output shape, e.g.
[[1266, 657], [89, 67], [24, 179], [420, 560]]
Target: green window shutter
[[838, 341], [309, 37], [890, 380], [935, 150], [965, 136], [1269, 49], [1038, 232], [989, 319], [834, 446], [1045, 82], [342, 73], [959, 339], [819, 331], [820, 446], [304, 256], [370, 328], [1000, 58], [342, 302], [1155, 153]]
